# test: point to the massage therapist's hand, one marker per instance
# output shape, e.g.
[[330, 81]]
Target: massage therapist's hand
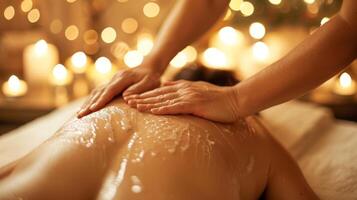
[[184, 97], [130, 81]]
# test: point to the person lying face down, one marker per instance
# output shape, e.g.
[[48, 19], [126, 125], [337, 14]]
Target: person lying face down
[[121, 153]]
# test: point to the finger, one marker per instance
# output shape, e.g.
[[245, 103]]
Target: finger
[[90, 97], [140, 87], [157, 99], [109, 92], [133, 91], [85, 111], [157, 92], [85, 104], [168, 83], [177, 108], [146, 107]]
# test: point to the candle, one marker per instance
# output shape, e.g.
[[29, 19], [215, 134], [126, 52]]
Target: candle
[[345, 85], [60, 76], [39, 58], [14, 87], [78, 63]]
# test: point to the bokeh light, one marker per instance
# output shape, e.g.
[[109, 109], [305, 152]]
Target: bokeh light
[[275, 2], [260, 51], [129, 25], [56, 26], [191, 53], [9, 12], [119, 49], [151, 9], [235, 4], [246, 8], [33, 16], [90, 37], [257, 30], [145, 43], [103, 65], [26, 5], [309, 1], [179, 60], [79, 62], [230, 36], [72, 32], [214, 57], [109, 35], [133, 58]]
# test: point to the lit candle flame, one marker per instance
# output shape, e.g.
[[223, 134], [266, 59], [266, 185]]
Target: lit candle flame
[[345, 85], [345, 80], [41, 47], [14, 87], [14, 82], [60, 75]]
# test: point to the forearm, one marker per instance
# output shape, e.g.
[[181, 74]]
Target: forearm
[[187, 22], [314, 61]]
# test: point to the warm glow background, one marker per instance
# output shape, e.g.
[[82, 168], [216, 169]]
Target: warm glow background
[[57, 51]]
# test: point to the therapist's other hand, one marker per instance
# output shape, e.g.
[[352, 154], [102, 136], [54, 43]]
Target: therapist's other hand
[[185, 97], [129, 81]]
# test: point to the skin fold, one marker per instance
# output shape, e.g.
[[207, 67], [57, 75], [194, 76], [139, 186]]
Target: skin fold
[[120, 153]]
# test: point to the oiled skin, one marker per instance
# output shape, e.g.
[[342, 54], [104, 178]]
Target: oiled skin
[[120, 153]]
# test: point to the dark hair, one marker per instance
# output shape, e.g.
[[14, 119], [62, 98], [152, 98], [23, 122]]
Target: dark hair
[[198, 72]]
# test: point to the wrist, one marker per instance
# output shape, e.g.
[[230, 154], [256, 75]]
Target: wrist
[[155, 63], [240, 105]]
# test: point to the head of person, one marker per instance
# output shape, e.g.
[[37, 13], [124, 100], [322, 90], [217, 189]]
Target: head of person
[[199, 72]]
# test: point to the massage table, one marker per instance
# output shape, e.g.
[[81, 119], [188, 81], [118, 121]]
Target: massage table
[[325, 148]]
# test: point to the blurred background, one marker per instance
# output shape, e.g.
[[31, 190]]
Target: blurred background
[[53, 52]]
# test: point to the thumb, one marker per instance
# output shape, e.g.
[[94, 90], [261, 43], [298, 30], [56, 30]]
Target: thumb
[[140, 87]]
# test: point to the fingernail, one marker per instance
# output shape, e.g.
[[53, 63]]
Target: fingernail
[[130, 102]]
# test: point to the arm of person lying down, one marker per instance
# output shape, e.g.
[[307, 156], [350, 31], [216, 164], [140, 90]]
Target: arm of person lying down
[[186, 23], [317, 58]]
